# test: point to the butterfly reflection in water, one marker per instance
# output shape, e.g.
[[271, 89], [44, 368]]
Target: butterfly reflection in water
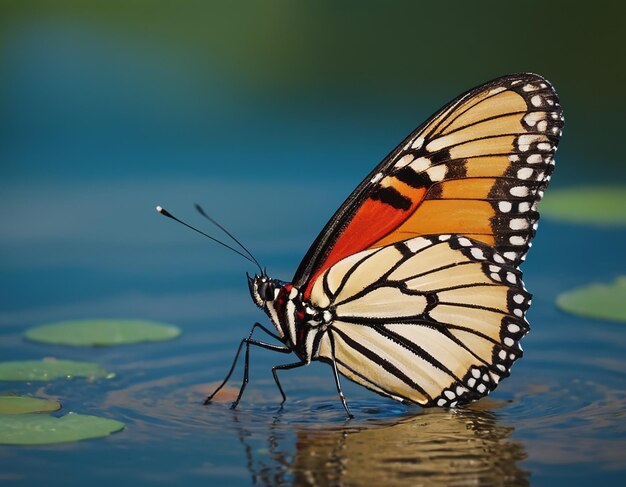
[[412, 289]]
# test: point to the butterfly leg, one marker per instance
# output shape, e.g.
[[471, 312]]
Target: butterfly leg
[[247, 341], [336, 375], [284, 367]]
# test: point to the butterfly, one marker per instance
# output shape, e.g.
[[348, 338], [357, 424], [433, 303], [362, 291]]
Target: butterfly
[[412, 289]]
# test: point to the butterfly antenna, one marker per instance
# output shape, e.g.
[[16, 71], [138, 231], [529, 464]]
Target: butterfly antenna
[[200, 210], [166, 213]]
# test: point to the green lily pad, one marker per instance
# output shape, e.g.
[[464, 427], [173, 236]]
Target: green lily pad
[[602, 301], [50, 369], [595, 205], [102, 332], [13, 404], [37, 429]]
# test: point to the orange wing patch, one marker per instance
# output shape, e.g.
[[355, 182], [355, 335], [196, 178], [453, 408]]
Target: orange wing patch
[[380, 215], [445, 217], [477, 168]]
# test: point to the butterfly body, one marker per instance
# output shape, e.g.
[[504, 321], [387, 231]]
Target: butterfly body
[[412, 289], [297, 322]]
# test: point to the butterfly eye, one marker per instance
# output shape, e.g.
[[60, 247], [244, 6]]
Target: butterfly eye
[[266, 291]]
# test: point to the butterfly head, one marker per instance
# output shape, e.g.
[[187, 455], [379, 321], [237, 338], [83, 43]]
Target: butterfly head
[[262, 289]]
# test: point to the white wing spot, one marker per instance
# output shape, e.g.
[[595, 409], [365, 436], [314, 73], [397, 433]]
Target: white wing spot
[[496, 277], [536, 101], [477, 253], [534, 159], [517, 312], [404, 160], [505, 206], [377, 177], [517, 240], [463, 242], [544, 146], [513, 328], [510, 255], [518, 224], [525, 173], [518, 298], [509, 342], [418, 143], [519, 191], [498, 258], [511, 277], [523, 207]]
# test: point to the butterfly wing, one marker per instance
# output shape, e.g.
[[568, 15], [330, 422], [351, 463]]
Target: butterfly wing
[[433, 320], [477, 167]]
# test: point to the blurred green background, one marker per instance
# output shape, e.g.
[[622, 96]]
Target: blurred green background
[[147, 88]]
